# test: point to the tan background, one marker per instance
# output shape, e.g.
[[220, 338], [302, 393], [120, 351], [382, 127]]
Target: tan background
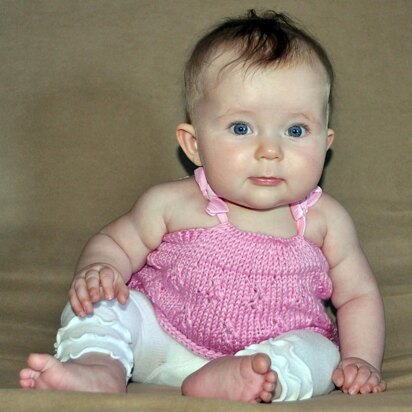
[[90, 97]]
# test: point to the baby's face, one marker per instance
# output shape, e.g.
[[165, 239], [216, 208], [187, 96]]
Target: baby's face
[[262, 135]]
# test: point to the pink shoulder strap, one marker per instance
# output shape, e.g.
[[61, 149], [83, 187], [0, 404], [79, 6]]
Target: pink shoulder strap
[[300, 209], [216, 206]]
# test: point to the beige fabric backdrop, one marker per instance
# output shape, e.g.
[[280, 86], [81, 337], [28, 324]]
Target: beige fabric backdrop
[[90, 96]]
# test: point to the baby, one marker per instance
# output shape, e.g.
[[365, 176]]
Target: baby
[[217, 282]]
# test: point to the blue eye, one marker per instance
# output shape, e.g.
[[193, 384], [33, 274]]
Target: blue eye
[[296, 131], [240, 128]]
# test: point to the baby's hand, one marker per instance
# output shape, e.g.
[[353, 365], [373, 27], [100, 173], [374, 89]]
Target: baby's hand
[[94, 283], [354, 375]]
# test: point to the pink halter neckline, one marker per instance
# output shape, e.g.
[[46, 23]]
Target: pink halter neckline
[[218, 207]]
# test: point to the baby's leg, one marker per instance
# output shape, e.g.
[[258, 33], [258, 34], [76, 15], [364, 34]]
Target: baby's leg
[[246, 379], [295, 365], [94, 353], [304, 362]]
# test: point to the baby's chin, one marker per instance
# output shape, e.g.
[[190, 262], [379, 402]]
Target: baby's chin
[[259, 205]]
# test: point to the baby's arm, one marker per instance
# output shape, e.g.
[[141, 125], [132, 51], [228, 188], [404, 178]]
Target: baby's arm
[[117, 251], [358, 303]]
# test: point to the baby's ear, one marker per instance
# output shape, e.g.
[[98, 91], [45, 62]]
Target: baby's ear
[[186, 136], [331, 137]]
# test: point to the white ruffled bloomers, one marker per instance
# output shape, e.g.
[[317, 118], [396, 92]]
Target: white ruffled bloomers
[[303, 360]]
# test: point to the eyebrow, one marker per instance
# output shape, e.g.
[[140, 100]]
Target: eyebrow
[[306, 116], [231, 112], [240, 112]]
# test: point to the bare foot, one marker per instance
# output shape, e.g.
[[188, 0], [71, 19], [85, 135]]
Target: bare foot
[[242, 378], [89, 373]]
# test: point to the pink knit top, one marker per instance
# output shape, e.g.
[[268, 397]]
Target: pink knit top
[[217, 290]]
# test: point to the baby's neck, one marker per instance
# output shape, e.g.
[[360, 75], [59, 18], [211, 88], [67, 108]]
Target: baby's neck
[[276, 222]]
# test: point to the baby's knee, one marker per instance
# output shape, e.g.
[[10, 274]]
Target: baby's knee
[[112, 329]]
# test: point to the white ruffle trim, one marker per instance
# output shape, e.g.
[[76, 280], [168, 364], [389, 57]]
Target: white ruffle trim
[[294, 375], [83, 335]]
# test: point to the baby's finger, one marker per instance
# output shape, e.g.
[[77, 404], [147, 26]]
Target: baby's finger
[[338, 377], [80, 288], [372, 383], [79, 298], [75, 303], [93, 284], [106, 282], [121, 292], [380, 388], [350, 372], [361, 378]]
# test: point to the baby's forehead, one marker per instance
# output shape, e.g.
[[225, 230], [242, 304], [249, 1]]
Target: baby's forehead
[[227, 65]]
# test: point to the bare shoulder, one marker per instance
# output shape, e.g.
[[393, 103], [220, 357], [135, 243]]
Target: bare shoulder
[[164, 199], [325, 218], [171, 192], [331, 209], [336, 217]]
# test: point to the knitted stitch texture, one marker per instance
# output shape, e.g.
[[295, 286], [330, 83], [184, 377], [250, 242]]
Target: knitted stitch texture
[[220, 289]]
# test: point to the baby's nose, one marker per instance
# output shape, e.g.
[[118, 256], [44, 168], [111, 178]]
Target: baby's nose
[[269, 148]]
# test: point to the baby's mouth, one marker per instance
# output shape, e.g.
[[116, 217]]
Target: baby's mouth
[[266, 180]]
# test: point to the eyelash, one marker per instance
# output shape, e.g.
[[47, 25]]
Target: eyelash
[[303, 126], [233, 124], [246, 124]]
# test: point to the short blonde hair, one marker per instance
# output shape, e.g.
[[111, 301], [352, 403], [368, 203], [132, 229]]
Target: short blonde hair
[[271, 39]]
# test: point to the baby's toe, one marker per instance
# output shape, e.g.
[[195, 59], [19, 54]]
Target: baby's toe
[[271, 376], [269, 387], [266, 397]]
